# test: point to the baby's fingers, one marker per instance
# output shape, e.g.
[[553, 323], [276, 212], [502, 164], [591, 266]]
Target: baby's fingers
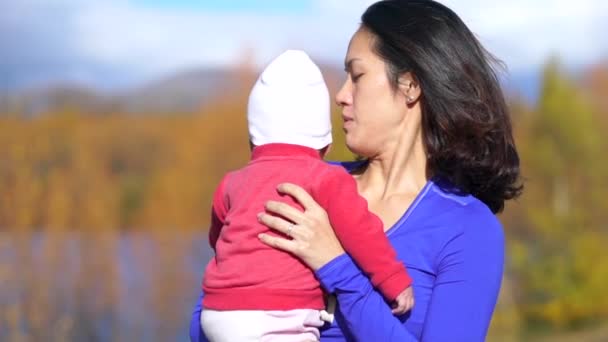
[[400, 306]]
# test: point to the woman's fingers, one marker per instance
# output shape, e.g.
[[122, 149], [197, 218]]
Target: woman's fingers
[[277, 223], [313, 240], [299, 194], [285, 210], [278, 242]]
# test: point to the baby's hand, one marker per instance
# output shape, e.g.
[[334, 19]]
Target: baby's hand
[[404, 302]]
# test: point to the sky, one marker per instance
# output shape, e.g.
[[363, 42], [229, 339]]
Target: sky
[[121, 43]]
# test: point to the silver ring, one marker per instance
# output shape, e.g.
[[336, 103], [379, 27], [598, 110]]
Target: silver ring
[[290, 228]]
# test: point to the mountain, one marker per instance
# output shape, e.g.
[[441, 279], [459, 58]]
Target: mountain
[[180, 93], [184, 92]]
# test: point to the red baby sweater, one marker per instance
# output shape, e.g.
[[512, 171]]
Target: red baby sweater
[[245, 274]]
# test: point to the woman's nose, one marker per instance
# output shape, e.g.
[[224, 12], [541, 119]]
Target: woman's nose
[[344, 95]]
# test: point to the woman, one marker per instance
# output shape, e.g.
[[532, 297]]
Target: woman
[[423, 106]]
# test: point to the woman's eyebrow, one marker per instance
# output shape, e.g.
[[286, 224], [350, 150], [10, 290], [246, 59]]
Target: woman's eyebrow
[[349, 63]]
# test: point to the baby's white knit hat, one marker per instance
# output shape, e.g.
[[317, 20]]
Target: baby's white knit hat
[[290, 103]]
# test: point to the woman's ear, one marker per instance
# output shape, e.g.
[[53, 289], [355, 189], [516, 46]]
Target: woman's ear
[[409, 87]]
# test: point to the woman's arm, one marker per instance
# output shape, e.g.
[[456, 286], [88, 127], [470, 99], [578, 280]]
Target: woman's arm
[[470, 269], [469, 272], [196, 331], [364, 311], [218, 215]]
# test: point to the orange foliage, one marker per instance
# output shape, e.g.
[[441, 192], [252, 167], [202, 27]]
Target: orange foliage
[[75, 171]]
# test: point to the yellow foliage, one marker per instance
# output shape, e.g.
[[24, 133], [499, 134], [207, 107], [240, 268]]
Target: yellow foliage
[[99, 175]]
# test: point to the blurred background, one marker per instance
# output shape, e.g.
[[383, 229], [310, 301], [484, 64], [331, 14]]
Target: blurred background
[[118, 118]]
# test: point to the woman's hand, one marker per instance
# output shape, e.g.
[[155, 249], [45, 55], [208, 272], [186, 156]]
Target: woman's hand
[[312, 237]]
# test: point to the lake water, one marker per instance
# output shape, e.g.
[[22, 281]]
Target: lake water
[[100, 287]]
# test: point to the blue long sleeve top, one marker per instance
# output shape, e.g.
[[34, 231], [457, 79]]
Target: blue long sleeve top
[[453, 248]]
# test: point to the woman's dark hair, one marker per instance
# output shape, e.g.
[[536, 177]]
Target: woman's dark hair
[[465, 119]]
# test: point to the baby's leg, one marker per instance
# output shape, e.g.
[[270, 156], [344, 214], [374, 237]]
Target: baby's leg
[[235, 325], [257, 325], [293, 326]]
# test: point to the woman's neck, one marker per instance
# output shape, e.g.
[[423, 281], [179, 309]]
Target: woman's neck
[[399, 170]]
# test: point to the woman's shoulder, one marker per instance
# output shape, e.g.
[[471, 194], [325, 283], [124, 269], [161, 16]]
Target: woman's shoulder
[[442, 224], [448, 196], [460, 225], [447, 212], [464, 212]]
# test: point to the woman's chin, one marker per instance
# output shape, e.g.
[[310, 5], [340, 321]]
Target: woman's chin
[[357, 147]]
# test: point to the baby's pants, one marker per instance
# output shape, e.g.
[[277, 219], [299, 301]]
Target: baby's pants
[[301, 325]]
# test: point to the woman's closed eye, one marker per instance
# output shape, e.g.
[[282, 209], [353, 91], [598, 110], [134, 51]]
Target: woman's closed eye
[[356, 77]]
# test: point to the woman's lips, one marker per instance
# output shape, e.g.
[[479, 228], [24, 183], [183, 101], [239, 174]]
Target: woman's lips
[[347, 122]]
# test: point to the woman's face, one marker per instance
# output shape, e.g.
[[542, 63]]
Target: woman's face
[[373, 113]]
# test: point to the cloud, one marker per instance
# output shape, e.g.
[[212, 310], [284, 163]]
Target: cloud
[[30, 45], [154, 41], [116, 42], [521, 32], [525, 33]]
